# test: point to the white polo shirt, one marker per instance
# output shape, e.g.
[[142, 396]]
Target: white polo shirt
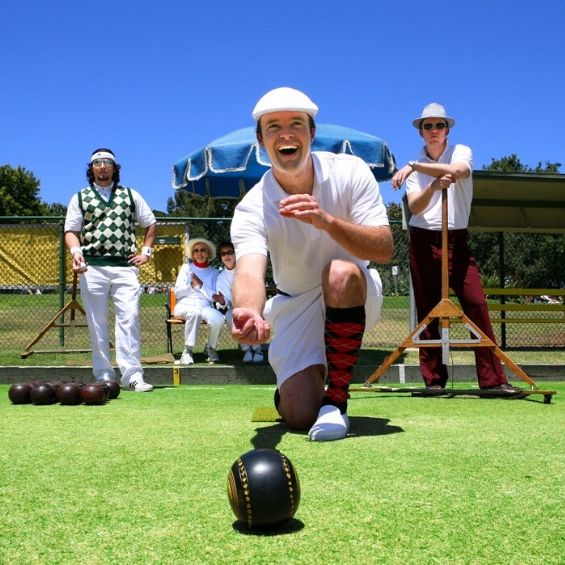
[[459, 194], [344, 187]]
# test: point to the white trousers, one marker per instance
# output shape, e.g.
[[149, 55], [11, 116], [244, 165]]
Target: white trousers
[[298, 322], [97, 285], [194, 315]]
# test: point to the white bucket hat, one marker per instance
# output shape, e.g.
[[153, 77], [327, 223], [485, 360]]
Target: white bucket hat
[[284, 99], [192, 242], [434, 110]]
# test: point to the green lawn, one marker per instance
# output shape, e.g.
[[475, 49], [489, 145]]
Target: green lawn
[[143, 479]]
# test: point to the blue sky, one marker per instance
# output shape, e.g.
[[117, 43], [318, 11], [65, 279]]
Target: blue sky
[[157, 80]]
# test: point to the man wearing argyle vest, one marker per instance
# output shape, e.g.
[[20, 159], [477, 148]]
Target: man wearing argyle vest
[[100, 235]]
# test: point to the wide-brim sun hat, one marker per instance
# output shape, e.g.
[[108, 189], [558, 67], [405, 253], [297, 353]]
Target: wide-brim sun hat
[[434, 110], [192, 242], [284, 99]]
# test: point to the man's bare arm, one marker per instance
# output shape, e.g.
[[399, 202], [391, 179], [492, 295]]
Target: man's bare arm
[[249, 284], [373, 243], [249, 298]]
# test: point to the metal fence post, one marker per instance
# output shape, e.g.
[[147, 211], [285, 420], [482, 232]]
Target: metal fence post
[[62, 279], [502, 271]]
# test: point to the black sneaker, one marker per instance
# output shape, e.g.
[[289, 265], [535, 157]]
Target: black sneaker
[[505, 387]]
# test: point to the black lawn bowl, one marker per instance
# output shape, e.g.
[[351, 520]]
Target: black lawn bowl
[[42, 394], [263, 489], [114, 389], [56, 385], [106, 387], [93, 394], [20, 393], [69, 394]]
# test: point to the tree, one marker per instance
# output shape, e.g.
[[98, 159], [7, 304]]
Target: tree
[[53, 209], [190, 205], [513, 164], [19, 191]]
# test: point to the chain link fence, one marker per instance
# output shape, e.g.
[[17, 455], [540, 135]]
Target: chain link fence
[[37, 304]]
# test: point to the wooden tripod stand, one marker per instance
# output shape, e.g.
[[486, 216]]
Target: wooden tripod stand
[[71, 306], [446, 311]]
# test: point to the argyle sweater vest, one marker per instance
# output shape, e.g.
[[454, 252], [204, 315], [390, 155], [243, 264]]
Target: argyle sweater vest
[[108, 233]]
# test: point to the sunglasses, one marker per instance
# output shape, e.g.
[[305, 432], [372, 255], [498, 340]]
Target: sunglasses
[[200, 250], [100, 162], [230, 252], [429, 126]]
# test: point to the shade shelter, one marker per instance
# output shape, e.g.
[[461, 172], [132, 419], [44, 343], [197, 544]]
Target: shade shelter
[[519, 202]]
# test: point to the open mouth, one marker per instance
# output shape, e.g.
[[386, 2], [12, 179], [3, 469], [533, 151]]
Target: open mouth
[[288, 149]]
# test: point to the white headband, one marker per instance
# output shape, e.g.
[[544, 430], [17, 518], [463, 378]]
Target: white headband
[[103, 155]]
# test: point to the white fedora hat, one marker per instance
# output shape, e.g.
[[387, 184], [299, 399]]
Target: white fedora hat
[[434, 110], [284, 99]]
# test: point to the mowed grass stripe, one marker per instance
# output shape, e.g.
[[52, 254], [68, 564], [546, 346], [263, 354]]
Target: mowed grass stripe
[[144, 479]]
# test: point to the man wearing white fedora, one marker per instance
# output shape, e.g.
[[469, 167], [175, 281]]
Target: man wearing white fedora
[[321, 219], [444, 166]]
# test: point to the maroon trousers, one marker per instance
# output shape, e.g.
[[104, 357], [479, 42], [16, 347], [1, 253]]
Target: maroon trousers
[[465, 280]]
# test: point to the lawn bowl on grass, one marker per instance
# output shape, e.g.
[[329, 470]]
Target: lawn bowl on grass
[[69, 394], [43, 393], [114, 389], [19, 393], [94, 394], [263, 489]]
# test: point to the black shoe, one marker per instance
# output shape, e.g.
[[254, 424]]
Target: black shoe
[[505, 387], [433, 390]]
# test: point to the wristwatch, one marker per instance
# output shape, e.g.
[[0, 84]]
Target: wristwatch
[[412, 164]]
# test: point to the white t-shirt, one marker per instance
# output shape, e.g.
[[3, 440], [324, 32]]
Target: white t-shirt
[[224, 284], [143, 215], [344, 187], [459, 194]]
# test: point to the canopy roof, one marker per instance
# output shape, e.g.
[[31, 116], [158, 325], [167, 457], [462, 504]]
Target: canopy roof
[[521, 202]]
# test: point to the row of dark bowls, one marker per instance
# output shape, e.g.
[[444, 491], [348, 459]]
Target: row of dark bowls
[[37, 392]]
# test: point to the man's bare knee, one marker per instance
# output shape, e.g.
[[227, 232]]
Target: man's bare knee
[[343, 284], [301, 396]]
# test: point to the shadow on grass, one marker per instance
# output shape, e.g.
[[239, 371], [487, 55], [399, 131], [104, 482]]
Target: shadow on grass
[[289, 527], [360, 426], [269, 437]]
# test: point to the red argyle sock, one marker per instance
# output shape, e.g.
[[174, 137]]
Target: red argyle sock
[[343, 335]]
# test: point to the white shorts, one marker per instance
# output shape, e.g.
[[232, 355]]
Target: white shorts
[[298, 323]]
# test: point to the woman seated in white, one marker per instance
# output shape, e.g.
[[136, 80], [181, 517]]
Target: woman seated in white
[[195, 285]]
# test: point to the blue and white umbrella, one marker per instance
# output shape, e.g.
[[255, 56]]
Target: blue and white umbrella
[[233, 163]]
